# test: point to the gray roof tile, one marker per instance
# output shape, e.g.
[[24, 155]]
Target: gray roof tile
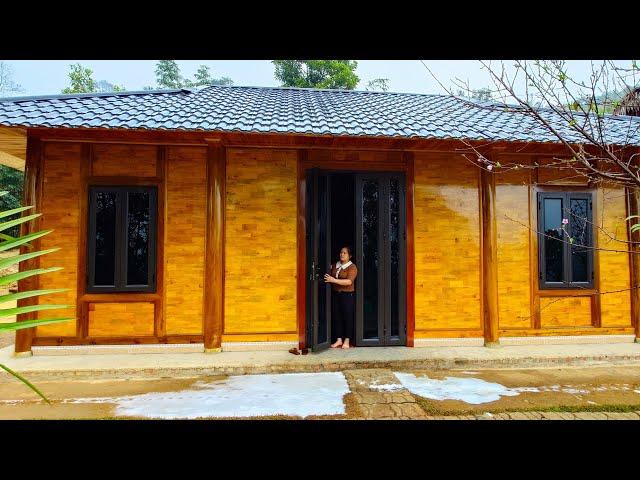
[[295, 110]]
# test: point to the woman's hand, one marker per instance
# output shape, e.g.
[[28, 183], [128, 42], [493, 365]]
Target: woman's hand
[[328, 278]]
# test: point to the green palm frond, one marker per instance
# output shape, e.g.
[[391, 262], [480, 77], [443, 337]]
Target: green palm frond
[[8, 242]]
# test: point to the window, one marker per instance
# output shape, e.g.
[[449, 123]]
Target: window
[[122, 239], [565, 241]]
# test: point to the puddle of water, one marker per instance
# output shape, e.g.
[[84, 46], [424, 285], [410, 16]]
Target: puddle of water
[[292, 394], [469, 390]]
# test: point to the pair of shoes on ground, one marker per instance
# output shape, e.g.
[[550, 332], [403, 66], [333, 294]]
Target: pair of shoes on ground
[[295, 351]]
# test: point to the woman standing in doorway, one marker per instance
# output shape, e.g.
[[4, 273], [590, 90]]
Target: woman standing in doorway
[[343, 276]]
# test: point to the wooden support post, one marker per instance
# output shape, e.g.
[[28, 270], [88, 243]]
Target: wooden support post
[[633, 208], [489, 258], [33, 172], [410, 249], [214, 248]]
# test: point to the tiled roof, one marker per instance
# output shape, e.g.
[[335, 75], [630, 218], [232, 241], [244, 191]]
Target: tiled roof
[[299, 110]]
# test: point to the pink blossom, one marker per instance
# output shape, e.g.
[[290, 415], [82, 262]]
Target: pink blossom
[[489, 167], [565, 221]]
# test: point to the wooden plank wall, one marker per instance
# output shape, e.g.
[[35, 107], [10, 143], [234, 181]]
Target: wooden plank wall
[[121, 319], [183, 237], [260, 253], [60, 212], [447, 247], [261, 236], [184, 243], [614, 266], [512, 218], [110, 160]]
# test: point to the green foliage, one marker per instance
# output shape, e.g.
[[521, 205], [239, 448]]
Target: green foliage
[[81, 80], [202, 78], [381, 84], [9, 242], [11, 182], [168, 76], [336, 74], [636, 226], [481, 94], [103, 86]]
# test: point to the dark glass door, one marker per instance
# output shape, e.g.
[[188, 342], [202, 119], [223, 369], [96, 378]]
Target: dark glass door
[[380, 256], [318, 241]]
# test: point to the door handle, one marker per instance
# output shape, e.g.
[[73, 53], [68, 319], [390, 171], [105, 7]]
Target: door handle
[[315, 271]]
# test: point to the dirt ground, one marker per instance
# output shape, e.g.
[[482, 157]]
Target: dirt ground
[[576, 389]]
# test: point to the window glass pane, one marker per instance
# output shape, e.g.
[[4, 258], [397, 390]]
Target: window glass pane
[[553, 246], [138, 229], [394, 237], [370, 257], [323, 315], [105, 238], [579, 234]]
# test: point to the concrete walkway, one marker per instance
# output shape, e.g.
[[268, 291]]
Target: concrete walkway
[[238, 363]]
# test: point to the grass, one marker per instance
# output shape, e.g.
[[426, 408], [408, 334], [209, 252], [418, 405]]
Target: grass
[[432, 409]]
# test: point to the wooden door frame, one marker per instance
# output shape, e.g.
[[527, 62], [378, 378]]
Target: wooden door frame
[[338, 160]]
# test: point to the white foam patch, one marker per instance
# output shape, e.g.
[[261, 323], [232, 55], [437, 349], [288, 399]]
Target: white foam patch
[[386, 388], [475, 390], [293, 394], [469, 390]]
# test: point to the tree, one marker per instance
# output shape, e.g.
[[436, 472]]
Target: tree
[[481, 94], [378, 84], [202, 78], [7, 85], [102, 86], [11, 181], [168, 74], [336, 74], [575, 113], [81, 80]]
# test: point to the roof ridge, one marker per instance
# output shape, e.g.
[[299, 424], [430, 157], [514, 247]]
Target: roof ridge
[[93, 94], [336, 90]]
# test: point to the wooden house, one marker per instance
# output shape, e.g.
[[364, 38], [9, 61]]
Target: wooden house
[[208, 216]]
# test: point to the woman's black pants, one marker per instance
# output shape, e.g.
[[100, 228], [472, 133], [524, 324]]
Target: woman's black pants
[[344, 306]]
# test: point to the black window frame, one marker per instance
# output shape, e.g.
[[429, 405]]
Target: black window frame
[[121, 232], [567, 283]]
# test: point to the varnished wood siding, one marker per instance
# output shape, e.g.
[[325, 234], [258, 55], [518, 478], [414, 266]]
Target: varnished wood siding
[[615, 300], [260, 245], [129, 160], [260, 253], [514, 277], [552, 172], [184, 245], [119, 319], [60, 212], [447, 244], [565, 312]]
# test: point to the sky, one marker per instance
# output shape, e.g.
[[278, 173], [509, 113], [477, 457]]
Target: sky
[[46, 77]]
